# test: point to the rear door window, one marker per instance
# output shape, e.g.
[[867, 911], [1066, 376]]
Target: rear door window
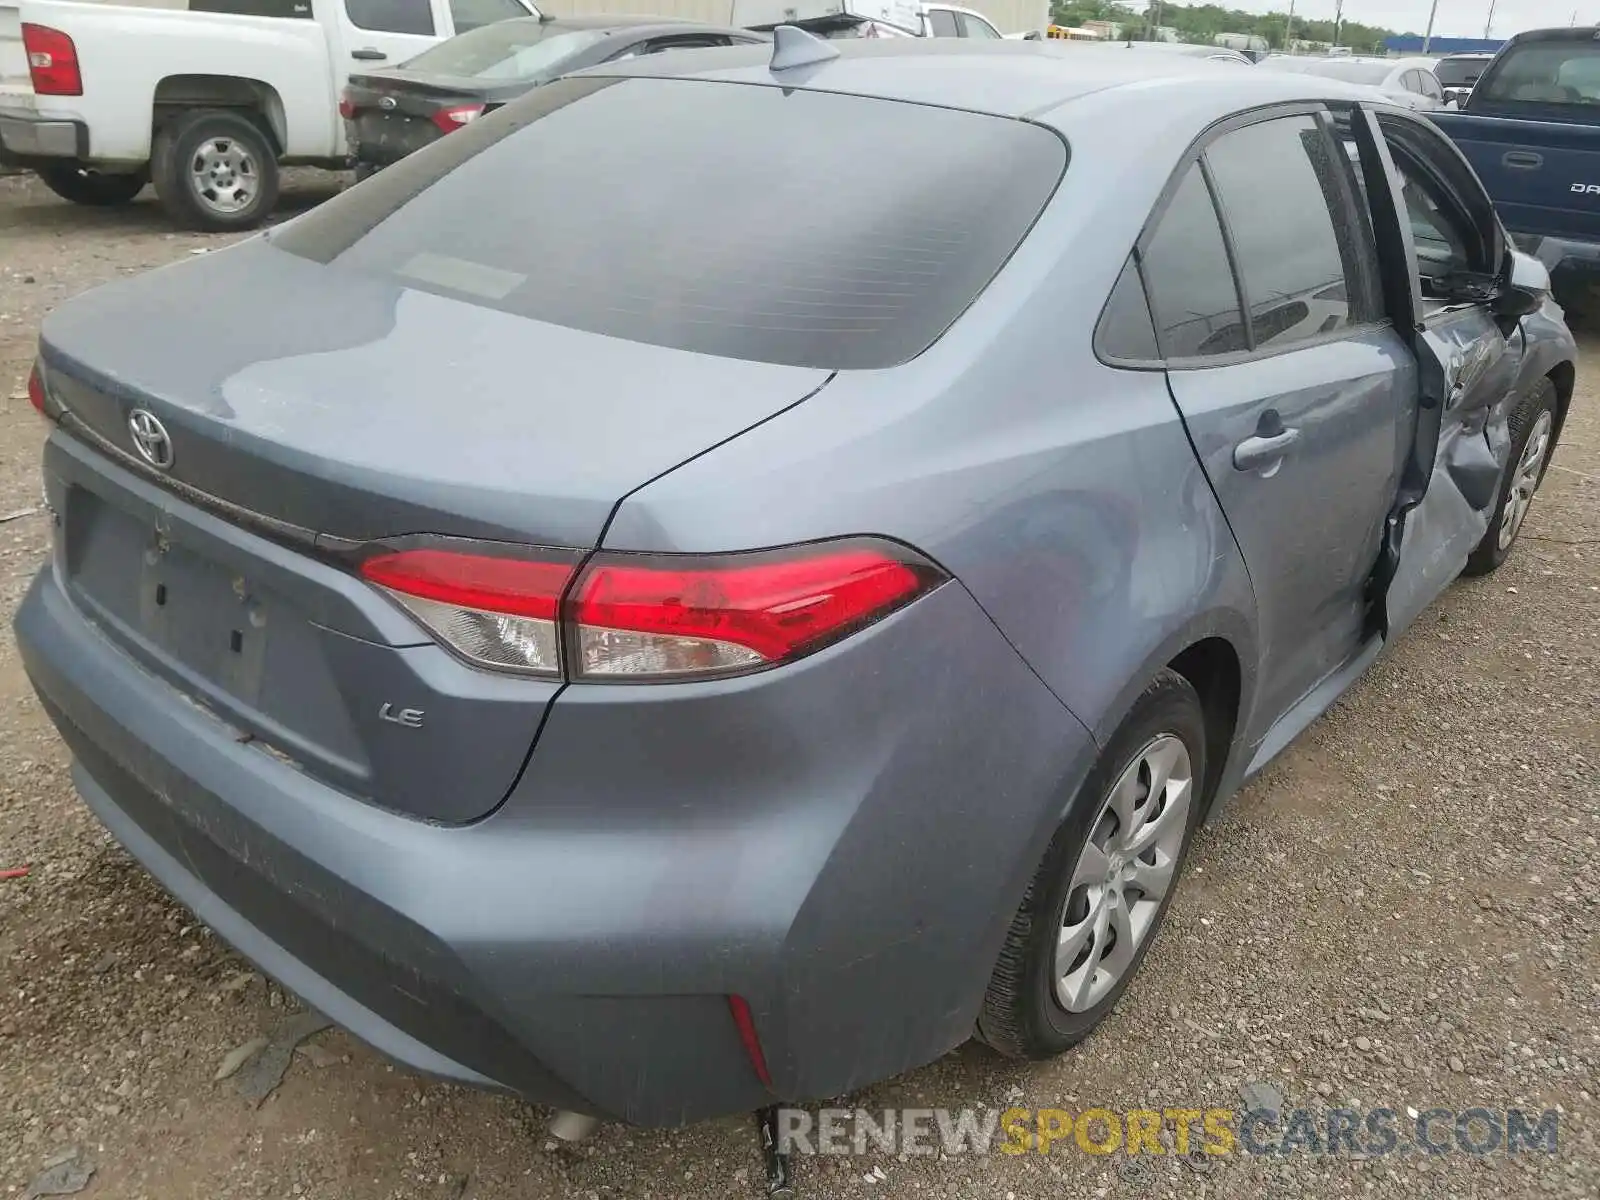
[[391, 16], [943, 23], [1192, 293], [788, 226], [976, 27], [1300, 278]]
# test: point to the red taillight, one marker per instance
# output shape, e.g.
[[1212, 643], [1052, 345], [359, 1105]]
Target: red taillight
[[52, 61], [745, 1023], [347, 105], [650, 617], [640, 616], [498, 611], [454, 117], [36, 396]]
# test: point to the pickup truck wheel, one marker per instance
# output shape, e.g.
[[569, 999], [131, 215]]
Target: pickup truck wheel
[[82, 185], [215, 170], [1532, 439]]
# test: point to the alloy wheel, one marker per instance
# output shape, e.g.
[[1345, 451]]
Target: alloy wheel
[[1526, 480], [1123, 873], [224, 174]]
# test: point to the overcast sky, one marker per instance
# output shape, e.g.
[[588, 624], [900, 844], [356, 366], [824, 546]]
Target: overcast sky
[[1456, 18]]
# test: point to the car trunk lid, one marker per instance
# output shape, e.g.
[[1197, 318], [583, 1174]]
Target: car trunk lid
[[309, 413]]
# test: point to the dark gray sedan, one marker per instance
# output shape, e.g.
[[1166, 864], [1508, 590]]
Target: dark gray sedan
[[391, 113], [725, 577]]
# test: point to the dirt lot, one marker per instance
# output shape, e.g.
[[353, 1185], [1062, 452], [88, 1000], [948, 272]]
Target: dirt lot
[[1402, 913]]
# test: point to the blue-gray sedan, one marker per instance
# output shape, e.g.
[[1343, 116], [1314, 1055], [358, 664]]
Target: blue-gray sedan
[[726, 577]]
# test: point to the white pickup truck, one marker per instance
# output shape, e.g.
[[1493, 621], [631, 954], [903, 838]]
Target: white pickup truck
[[205, 98]]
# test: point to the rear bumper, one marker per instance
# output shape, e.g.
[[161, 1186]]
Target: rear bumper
[[26, 136], [841, 842]]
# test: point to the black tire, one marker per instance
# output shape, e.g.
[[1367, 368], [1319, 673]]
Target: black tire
[[1536, 412], [365, 171], [81, 185], [177, 153], [1021, 1015]]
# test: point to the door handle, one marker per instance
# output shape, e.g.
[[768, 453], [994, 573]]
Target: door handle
[[369, 55], [1522, 160], [1254, 453]]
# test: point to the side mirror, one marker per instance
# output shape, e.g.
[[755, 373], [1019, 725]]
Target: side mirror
[[1526, 288]]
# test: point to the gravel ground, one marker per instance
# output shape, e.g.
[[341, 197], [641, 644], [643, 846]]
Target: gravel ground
[[1401, 913]]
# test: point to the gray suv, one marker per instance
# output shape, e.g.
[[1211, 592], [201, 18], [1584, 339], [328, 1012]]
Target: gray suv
[[728, 576]]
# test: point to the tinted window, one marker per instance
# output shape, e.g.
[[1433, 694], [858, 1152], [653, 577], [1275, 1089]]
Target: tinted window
[[1440, 244], [1284, 238], [523, 49], [975, 27], [943, 23], [1459, 72], [1191, 286], [287, 9], [787, 226], [1125, 330], [391, 16], [474, 14], [1557, 72]]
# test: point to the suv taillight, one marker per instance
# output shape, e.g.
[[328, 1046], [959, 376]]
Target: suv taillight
[[640, 617], [347, 105], [52, 61]]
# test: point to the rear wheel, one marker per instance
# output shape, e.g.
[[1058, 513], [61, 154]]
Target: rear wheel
[[1101, 893], [1532, 438], [82, 185], [215, 170]]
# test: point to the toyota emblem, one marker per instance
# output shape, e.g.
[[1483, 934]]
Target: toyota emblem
[[150, 438], [386, 103]]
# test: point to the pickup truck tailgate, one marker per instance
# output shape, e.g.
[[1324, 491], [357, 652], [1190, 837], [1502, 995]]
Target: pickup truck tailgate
[[1544, 175], [16, 89]]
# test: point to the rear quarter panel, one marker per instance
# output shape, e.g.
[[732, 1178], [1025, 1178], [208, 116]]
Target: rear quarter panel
[[126, 51], [1063, 493]]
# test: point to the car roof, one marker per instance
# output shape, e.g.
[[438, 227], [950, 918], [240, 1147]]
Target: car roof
[[1001, 77]]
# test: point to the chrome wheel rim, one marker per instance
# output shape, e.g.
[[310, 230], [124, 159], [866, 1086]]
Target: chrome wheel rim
[[225, 175], [1526, 479], [1123, 873]]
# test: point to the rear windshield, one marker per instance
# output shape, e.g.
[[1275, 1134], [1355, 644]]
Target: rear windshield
[[516, 49], [1459, 72], [753, 222], [1558, 72]]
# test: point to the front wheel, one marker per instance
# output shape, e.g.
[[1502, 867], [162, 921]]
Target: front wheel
[[215, 170], [1094, 906], [1533, 435], [83, 185]]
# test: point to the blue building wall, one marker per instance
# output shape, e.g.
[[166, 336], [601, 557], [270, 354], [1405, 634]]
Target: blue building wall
[[1412, 44]]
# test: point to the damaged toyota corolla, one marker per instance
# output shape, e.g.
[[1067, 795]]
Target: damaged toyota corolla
[[744, 569]]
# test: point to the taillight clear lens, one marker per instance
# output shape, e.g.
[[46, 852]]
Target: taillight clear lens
[[449, 119], [52, 61], [636, 617], [497, 611]]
